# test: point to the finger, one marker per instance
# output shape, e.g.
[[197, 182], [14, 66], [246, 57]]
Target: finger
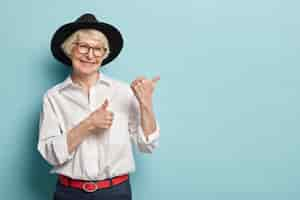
[[108, 121], [141, 82], [104, 105], [139, 78], [138, 84], [136, 87], [142, 86], [134, 83], [107, 124], [139, 89], [109, 117], [110, 113]]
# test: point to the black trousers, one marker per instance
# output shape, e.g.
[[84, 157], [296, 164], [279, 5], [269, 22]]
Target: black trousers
[[117, 192]]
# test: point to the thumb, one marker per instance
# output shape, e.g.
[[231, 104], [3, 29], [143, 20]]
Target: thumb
[[155, 79], [104, 105]]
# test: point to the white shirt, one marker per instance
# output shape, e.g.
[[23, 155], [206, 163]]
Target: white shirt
[[101, 155]]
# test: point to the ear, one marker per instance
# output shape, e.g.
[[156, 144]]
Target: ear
[[107, 52]]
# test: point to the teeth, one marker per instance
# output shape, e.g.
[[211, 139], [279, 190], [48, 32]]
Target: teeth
[[86, 62]]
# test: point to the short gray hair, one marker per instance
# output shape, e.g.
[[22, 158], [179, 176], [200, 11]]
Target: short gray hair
[[67, 45]]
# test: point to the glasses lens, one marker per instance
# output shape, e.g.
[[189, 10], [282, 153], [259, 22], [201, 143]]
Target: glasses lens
[[98, 51], [83, 48]]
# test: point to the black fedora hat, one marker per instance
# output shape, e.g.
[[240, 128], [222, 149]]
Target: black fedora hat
[[86, 21]]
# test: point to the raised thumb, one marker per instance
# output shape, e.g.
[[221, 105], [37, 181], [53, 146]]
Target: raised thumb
[[104, 105], [155, 79]]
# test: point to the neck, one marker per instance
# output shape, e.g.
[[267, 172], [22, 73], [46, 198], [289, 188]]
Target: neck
[[85, 81]]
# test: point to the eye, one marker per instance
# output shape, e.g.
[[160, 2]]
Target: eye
[[83, 46]]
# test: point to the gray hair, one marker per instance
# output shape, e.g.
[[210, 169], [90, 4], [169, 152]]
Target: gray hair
[[67, 45]]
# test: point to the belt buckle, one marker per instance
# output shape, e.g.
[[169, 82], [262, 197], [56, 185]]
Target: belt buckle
[[89, 186]]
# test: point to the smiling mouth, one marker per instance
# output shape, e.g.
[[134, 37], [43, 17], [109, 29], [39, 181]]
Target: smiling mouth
[[87, 62]]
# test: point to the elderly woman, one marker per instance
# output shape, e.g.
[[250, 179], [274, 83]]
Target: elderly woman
[[89, 120]]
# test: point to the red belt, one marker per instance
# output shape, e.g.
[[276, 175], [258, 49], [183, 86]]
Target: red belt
[[92, 186]]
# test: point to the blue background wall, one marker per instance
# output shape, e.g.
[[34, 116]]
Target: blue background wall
[[228, 101]]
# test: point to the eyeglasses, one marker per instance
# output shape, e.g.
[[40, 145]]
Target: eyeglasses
[[84, 48]]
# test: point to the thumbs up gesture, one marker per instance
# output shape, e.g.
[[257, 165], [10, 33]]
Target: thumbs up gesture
[[143, 89], [102, 118]]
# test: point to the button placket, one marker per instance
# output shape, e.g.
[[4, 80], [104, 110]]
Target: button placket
[[91, 100]]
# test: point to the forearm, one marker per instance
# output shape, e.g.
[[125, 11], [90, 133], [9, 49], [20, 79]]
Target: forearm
[[77, 134], [148, 121]]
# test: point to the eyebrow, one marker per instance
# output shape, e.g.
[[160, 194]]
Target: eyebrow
[[97, 45]]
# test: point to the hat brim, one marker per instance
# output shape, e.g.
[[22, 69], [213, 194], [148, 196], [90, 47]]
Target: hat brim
[[113, 35]]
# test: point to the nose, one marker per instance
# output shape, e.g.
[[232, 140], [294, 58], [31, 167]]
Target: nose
[[90, 53]]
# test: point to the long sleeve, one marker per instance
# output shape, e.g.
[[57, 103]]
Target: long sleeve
[[136, 131], [52, 142]]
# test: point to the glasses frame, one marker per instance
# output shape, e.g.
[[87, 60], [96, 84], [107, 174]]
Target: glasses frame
[[103, 49]]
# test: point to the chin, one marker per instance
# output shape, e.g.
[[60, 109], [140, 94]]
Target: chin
[[90, 70], [87, 68]]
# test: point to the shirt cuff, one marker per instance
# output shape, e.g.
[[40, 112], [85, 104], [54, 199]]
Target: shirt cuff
[[61, 149], [152, 137]]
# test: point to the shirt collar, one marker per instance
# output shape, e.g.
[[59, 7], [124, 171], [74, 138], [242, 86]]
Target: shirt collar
[[103, 79]]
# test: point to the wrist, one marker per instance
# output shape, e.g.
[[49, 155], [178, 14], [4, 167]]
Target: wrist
[[146, 106]]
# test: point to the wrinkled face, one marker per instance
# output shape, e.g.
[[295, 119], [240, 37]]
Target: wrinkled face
[[87, 55]]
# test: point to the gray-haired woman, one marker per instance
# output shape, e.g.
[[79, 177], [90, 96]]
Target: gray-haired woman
[[89, 120]]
